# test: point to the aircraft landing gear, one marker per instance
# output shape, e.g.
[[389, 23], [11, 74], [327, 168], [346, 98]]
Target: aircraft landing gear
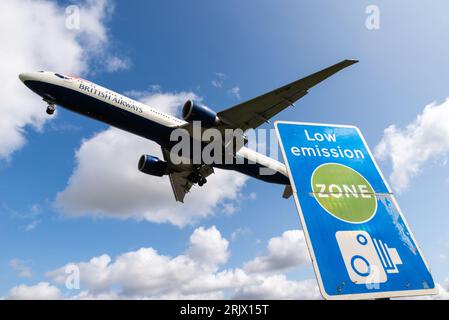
[[202, 182], [51, 109], [50, 104], [199, 174], [195, 177]]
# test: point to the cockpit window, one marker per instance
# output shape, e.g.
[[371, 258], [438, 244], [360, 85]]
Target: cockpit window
[[61, 76]]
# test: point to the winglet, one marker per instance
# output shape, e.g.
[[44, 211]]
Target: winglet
[[350, 62], [317, 77], [288, 192]]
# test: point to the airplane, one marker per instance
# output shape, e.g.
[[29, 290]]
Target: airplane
[[94, 101]]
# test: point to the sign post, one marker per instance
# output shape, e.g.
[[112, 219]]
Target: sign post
[[359, 241]]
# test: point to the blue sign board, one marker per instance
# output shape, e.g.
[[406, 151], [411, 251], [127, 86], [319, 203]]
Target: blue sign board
[[359, 241]]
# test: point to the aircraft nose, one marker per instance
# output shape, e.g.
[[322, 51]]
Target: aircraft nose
[[25, 76], [31, 76], [22, 77], [34, 81]]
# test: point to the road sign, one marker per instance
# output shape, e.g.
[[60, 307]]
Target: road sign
[[359, 241]]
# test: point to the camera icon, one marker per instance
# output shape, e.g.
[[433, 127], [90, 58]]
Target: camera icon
[[367, 260]]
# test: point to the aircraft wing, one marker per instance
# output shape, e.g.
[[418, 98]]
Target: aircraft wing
[[180, 184], [255, 112], [179, 176]]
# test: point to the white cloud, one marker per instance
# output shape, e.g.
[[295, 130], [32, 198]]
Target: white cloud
[[218, 82], [284, 252], [235, 91], [32, 225], [443, 292], [240, 232], [106, 181], [35, 212], [30, 216], [194, 274], [207, 246], [41, 291], [277, 287], [95, 274], [86, 295], [147, 274], [42, 42], [197, 273], [114, 64], [410, 148], [21, 268]]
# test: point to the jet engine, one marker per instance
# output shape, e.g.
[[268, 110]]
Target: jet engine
[[193, 111], [152, 165]]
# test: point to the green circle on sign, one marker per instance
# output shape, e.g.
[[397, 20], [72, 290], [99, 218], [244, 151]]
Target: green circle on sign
[[344, 193]]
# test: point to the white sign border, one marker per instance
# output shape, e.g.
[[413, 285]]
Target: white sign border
[[374, 295]]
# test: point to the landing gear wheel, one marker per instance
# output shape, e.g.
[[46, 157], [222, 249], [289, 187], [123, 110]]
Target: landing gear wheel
[[202, 182], [194, 177], [51, 109]]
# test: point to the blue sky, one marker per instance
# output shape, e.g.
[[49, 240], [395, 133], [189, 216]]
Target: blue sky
[[258, 45]]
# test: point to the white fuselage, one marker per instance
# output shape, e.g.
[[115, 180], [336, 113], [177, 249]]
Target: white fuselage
[[52, 86]]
